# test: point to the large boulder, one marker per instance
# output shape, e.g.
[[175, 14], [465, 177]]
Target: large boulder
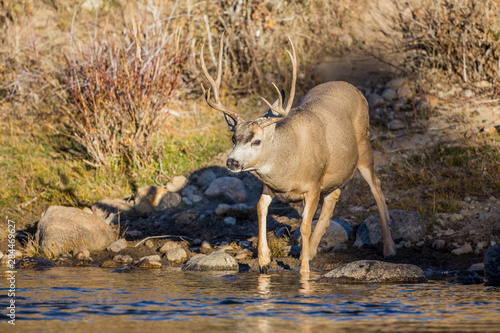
[[402, 223], [492, 265], [230, 188], [62, 228], [373, 271], [216, 261]]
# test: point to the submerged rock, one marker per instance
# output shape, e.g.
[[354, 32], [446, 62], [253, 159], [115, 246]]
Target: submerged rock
[[216, 261], [32, 262], [492, 265], [62, 228], [372, 271], [401, 223]]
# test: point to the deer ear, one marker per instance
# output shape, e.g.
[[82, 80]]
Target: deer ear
[[231, 122], [271, 113]]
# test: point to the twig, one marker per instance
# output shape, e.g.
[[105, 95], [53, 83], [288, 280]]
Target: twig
[[163, 236]]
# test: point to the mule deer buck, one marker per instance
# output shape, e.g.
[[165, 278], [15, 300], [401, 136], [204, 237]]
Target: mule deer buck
[[306, 152]]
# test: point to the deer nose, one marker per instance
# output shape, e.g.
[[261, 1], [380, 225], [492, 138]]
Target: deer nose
[[232, 164]]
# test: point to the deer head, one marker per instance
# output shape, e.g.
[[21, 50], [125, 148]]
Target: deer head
[[251, 138]]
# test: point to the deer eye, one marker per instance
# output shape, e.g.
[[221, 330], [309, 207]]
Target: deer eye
[[256, 143]]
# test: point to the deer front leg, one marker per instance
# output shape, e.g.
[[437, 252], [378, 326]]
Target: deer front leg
[[311, 203], [263, 249]]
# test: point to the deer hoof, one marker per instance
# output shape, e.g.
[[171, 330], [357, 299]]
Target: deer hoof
[[264, 269]]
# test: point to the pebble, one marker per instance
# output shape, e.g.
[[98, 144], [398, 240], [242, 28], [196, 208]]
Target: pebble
[[404, 92], [133, 233], [440, 222], [438, 244], [397, 83], [243, 254], [375, 100], [456, 217], [468, 93], [481, 245], [186, 201], [81, 252], [119, 245], [176, 254], [197, 242], [389, 94], [196, 198], [177, 183], [413, 238], [464, 249], [228, 187], [124, 258], [448, 232], [484, 217], [407, 244], [206, 246], [151, 258], [340, 246], [169, 245], [149, 243], [230, 220], [420, 243], [206, 178], [478, 267], [472, 232], [396, 124]]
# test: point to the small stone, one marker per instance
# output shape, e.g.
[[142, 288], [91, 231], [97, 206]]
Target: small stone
[[243, 254], [149, 243], [81, 252], [216, 261], [222, 209], [484, 217], [456, 217], [230, 220], [245, 244], [420, 243], [375, 100], [438, 244], [407, 244], [472, 232], [133, 233], [468, 93], [478, 267], [186, 201], [148, 198], [151, 258], [467, 248], [169, 200], [197, 242], [459, 251], [396, 124], [196, 198], [404, 92], [119, 245], [206, 247], [440, 222], [448, 232], [177, 254], [413, 238], [467, 199], [169, 245], [400, 244], [357, 209], [339, 247], [177, 183], [389, 95], [395, 84], [206, 178], [123, 258], [149, 264], [225, 248], [481, 245]]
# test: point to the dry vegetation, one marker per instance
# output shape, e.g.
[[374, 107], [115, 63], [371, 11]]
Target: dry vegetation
[[99, 86]]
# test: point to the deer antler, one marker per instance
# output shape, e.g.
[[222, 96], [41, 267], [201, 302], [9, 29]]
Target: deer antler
[[279, 109], [215, 84]]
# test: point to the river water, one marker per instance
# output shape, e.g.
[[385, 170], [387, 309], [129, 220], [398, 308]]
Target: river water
[[94, 299]]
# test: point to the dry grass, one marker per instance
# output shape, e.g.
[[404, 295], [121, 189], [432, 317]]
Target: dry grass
[[460, 37]]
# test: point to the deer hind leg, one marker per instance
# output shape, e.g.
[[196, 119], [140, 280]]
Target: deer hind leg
[[366, 168], [263, 249], [311, 203], [329, 203]]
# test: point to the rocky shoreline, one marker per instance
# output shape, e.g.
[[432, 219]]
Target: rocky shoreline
[[207, 222]]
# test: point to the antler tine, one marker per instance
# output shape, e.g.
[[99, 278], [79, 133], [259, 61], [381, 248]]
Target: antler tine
[[279, 109], [294, 77], [215, 84]]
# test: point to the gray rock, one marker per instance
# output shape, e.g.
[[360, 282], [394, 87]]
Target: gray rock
[[372, 271], [169, 245], [339, 231], [243, 254], [230, 188], [60, 229], [401, 223], [464, 249], [186, 201], [133, 233], [148, 198], [119, 245], [395, 84], [177, 254], [492, 265], [123, 258], [230, 220], [477, 267], [169, 200], [216, 261], [389, 95], [206, 178], [151, 258], [375, 100], [177, 183], [396, 124], [413, 238], [81, 253]]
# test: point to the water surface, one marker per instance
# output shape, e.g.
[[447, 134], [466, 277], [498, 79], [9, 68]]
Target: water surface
[[88, 299]]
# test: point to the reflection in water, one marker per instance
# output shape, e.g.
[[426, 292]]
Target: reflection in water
[[81, 299]]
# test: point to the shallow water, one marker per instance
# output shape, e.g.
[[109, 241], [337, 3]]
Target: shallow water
[[84, 299]]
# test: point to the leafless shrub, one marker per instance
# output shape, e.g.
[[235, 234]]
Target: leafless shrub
[[121, 85], [461, 37]]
